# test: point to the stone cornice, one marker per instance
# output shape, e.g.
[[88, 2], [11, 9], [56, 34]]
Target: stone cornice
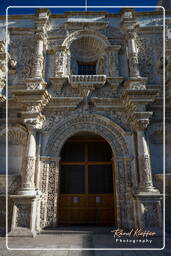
[[65, 15], [151, 29], [21, 29], [63, 103]]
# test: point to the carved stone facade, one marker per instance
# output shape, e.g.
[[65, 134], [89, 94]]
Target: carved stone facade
[[50, 101]]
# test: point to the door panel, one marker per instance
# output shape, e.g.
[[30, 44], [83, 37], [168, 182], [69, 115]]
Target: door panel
[[86, 184], [87, 210]]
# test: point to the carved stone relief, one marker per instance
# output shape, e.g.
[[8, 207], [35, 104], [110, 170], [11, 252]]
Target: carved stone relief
[[21, 49], [23, 215], [150, 52]]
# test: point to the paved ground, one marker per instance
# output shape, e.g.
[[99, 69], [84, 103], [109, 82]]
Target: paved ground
[[82, 237]]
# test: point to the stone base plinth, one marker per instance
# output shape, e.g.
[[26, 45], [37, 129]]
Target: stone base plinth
[[24, 215], [150, 214], [23, 232]]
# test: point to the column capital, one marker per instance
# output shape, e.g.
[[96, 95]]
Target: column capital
[[142, 119], [34, 123], [142, 124], [130, 34], [39, 35]]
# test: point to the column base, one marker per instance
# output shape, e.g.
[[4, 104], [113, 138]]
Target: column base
[[148, 190], [150, 215], [24, 215], [23, 232], [36, 83], [27, 192]]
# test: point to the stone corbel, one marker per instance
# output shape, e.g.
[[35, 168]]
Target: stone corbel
[[115, 82], [35, 84], [57, 83], [136, 83]]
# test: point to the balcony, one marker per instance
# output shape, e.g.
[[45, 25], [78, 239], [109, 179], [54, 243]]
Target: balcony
[[87, 82]]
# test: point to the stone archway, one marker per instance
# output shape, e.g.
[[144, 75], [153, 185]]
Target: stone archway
[[114, 135]]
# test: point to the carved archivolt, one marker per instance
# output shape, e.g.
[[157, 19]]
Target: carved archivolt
[[100, 125], [114, 135], [86, 33]]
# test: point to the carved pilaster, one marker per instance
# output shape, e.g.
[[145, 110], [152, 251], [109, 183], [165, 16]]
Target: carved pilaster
[[53, 193], [61, 61], [112, 54]]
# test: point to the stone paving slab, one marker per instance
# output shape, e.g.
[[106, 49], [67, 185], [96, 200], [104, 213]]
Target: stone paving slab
[[85, 238]]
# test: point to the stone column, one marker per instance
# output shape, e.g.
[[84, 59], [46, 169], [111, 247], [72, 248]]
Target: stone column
[[38, 58], [146, 183], [28, 186], [148, 198]]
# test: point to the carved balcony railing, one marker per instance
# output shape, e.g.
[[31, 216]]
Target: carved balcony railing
[[87, 81]]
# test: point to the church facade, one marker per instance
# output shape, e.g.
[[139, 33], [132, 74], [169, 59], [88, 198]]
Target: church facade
[[85, 119]]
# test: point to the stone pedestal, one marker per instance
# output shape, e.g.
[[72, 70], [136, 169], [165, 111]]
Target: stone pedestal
[[150, 209], [149, 198], [24, 215]]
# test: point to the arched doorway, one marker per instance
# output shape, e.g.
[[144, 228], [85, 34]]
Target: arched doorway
[[87, 189]]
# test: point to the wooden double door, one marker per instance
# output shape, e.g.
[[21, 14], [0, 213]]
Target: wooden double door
[[86, 183]]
